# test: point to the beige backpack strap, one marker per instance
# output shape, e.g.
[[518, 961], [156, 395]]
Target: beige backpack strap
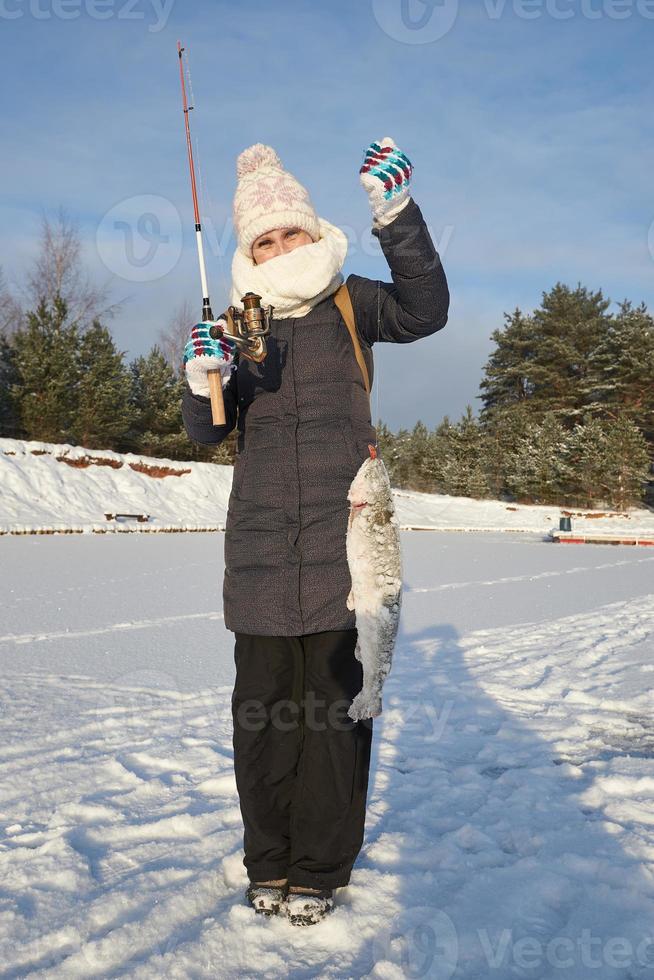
[[343, 301]]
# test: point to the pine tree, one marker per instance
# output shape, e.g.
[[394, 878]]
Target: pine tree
[[104, 407], [610, 461], [11, 315], [157, 398], [570, 325], [537, 469], [506, 379], [9, 420], [437, 452], [400, 461], [623, 367], [462, 468], [503, 430], [628, 463], [224, 453], [386, 445], [547, 358], [417, 475], [471, 448], [46, 360]]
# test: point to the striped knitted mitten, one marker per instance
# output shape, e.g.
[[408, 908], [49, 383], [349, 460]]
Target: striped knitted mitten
[[202, 353], [385, 176]]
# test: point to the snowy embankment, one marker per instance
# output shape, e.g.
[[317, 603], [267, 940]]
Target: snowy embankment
[[60, 487], [46, 487]]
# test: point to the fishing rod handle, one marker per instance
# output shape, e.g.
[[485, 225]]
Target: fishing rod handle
[[216, 394]]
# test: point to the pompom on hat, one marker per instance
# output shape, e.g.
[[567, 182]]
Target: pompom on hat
[[268, 197]]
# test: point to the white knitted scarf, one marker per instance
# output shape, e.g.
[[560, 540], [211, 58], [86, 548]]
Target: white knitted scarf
[[298, 280]]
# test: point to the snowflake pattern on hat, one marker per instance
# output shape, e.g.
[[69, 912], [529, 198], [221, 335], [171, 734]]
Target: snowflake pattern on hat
[[268, 193], [268, 197]]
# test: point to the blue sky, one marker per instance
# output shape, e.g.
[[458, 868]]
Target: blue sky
[[530, 126]]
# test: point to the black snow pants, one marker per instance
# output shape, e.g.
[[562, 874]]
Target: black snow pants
[[301, 764]]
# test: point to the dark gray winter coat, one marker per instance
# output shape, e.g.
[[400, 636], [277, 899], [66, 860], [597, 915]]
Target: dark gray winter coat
[[304, 426]]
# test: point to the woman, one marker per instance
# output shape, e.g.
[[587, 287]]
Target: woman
[[304, 426]]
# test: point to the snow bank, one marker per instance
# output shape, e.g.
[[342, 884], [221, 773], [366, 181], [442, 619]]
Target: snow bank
[[46, 487], [61, 487]]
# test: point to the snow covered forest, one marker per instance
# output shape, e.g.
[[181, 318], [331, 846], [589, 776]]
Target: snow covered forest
[[567, 401]]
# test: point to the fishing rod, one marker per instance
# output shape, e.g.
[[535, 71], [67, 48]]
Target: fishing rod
[[246, 328]]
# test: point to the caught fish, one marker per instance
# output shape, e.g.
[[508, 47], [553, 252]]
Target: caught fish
[[375, 562]]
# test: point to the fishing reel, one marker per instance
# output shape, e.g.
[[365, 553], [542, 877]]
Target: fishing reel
[[247, 328]]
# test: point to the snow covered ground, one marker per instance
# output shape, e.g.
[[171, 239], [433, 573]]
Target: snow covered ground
[[46, 486], [510, 828]]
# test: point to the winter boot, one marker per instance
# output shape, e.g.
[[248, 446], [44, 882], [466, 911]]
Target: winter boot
[[267, 899], [308, 908]]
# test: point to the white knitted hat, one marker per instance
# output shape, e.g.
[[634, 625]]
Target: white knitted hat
[[268, 197]]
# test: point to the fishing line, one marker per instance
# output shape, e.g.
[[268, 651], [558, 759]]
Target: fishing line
[[377, 371], [208, 208], [187, 69], [206, 202]]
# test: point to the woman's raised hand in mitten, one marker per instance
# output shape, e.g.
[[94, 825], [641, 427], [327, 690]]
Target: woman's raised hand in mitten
[[202, 353], [386, 175]]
